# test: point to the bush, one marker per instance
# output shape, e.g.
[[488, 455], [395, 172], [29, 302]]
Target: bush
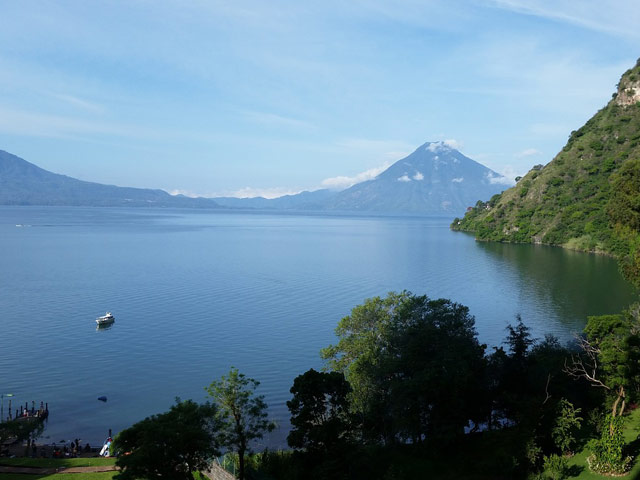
[[566, 424], [557, 467], [607, 456]]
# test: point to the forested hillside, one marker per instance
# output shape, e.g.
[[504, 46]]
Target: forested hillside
[[587, 198]]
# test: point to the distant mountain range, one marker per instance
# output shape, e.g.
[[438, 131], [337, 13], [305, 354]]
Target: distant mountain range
[[315, 200], [435, 179], [23, 183]]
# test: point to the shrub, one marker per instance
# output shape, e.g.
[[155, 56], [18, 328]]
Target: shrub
[[566, 424], [607, 456], [557, 467]]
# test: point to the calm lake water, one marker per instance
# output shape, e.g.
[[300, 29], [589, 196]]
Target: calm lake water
[[196, 292]]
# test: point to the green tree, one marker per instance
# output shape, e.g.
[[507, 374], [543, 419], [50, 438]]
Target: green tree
[[610, 360], [173, 444], [610, 356], [360, 355], [566, 424], [623, 210], [519, 340], [242, 413], [437, 370], [414, 364], [319, 411], [624, 203], [21, 429], [557, 467], [607, 457], [510, 372]]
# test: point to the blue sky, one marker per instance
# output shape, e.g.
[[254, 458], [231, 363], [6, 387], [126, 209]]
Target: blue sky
[[246, 97]]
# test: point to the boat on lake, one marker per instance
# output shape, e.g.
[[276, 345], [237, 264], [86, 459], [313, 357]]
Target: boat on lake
[[107, 319]]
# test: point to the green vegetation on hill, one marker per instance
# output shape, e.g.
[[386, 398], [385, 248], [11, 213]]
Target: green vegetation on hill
[[587, 198]]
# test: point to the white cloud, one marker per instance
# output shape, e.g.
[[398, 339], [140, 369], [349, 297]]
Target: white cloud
[[453, 143], [342, 182], [499, 180], [528, 153], [511, 173], [457, 180], [418, 176], [186, 193], [274, 192], [245, 192], [444, 145], [404, 178]]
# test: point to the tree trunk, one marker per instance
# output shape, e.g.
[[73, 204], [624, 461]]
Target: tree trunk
[[614, 408], [241, 451]]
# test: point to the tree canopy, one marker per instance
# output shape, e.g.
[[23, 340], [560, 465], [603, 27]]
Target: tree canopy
[[610, 357], [173, 444], [414, 364], [242, 414], [21, 429], [319, 411]]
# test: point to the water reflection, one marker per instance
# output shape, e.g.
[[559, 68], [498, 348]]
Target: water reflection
[[575, 284], [104, 327]]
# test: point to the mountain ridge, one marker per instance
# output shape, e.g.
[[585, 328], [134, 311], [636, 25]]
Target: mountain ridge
[[586, 198], [23, 183], [435, 179]]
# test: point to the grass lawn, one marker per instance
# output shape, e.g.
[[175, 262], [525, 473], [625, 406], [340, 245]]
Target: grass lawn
[[59, 476], [578, 462], [53, 463], [57, 462], [70, 476], [67, 463]]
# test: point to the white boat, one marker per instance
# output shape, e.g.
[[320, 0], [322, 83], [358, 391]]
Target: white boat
[[105, 319]]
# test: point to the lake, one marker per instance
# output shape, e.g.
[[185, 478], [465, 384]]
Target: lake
[[195, 292]]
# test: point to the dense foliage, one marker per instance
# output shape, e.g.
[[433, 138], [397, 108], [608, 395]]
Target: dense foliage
[[319, 411], [409, 392], [173, 444], [415, 366], [587, 198]]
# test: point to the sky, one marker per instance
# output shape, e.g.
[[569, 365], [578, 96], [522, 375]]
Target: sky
[[247, 98]]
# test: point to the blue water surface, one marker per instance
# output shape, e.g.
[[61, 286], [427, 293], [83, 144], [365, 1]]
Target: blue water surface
[[195, 292]]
